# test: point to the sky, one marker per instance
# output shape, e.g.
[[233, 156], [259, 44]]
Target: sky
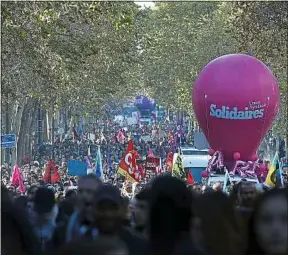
[[145, 4]]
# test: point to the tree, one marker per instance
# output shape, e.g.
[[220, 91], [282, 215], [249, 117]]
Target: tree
[[261, 29], [180, 39], [62, 54]]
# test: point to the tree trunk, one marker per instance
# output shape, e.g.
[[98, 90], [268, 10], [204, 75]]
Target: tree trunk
[[25, 124]]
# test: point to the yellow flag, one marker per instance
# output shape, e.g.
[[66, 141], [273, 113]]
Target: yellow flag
[[178, 168], [271, 176]]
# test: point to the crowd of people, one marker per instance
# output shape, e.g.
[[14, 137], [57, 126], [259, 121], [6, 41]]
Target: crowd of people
[[86, 215], [165, 217]]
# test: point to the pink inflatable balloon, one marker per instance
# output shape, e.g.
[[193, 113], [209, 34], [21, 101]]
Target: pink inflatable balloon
[[236, 155], [235, 99], [211, 152], [254, 157]]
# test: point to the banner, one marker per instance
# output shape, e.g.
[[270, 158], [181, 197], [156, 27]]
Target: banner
[[128, 166], [152, 167], [77, 168]]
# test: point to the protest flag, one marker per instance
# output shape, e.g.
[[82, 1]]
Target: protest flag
[[190, 179], [98, 165], [51, 174], [178, 168], [128, 166], [273, 178], [17, 179]]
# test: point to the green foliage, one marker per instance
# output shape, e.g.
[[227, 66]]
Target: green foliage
[[261, 29], [82, 55], [180, 38], [75, 54]]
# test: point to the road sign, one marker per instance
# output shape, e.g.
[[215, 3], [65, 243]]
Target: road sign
[[8, 141]]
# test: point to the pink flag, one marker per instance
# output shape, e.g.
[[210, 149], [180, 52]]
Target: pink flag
[[150, 153], [120, 137], [17, 179]]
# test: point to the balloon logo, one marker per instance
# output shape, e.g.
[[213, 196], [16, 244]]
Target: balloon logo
[[235, 100]]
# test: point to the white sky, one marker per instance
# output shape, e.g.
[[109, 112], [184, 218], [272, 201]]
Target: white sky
[[145, 4]]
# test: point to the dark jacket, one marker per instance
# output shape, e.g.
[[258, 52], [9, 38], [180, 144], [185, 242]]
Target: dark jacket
[[135, 244]]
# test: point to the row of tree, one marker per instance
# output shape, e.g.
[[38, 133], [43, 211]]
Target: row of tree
[[81, 56], [180, 38]]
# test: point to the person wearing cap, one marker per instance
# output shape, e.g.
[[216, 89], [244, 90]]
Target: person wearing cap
[[109, 213]]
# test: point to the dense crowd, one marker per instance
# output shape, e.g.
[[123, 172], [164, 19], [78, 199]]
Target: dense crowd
[[164, 215], [112, 141]]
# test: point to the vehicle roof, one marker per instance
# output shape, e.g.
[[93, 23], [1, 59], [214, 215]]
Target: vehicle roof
[[232, 177], [192, 149]]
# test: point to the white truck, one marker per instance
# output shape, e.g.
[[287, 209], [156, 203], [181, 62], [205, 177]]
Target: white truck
[[194, 160]]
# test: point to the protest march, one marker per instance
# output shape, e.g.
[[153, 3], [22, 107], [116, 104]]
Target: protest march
[[138, 170]]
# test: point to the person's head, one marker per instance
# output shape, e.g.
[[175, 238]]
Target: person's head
[[247, 193], [234, 193], [127, 209], [21, 202], [215, 226], [12, 191], [87, 186], [217, 186], [268, 232], [170, 212], [44, 202], [19, 237], [108, 209], [5, 195], [31, 192], [141, 208], [207, 189], [197, 188], [71, 195]]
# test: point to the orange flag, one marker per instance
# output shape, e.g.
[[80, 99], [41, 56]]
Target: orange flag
[[128, 166], [190, 179]]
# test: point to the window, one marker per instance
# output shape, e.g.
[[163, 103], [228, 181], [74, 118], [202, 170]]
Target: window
[[195, 153]]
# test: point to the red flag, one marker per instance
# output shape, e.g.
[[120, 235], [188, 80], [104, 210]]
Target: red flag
[[51, 173], [128, 166], [120, 136], [17, 179], [190, 179]]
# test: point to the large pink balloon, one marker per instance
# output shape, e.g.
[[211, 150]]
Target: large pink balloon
[[235, 99]]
